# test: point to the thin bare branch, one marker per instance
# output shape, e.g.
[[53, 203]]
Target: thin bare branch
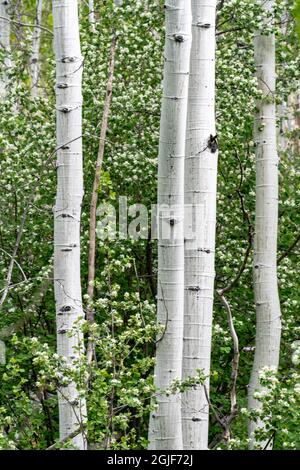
[[95, 190]]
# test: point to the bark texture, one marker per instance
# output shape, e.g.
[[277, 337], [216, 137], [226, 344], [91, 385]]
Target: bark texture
[[67, 211], [4, 43], [34, 60], [92, 15], [200, 203], [268, 317], [165, 430]]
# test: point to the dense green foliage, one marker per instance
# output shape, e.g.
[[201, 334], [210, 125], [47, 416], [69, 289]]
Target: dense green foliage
[[119, 385]]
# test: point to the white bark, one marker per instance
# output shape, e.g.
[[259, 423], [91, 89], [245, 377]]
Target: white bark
[[288, 113], [5, 42], [165, 424], [2, 352], [268, 317], [34, 59], [92, 18], [67, 212], [92, 15], [200, 195]]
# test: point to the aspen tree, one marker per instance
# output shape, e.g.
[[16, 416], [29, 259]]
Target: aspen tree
[[95, 191], [165, 424], [268, 316], [4, 42], [67, 211], [96, 185], [200, 197], [34, 60], [92, 15]]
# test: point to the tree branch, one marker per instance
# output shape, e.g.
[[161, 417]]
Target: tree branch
[[287, 252], [67, 438], [95, 190]]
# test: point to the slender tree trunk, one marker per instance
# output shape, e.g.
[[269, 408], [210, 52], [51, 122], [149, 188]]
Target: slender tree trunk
[[67, 211], [96, 184], [165, 424], [92, 15], [5, 42], [289, 115], [2, 352], [200, 197], [34, 59], [268, 317]]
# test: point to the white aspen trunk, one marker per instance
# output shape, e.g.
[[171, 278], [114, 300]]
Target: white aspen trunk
[[92, 18], [165, 430], [67, 212], [34, 59], [285, 109], [5, 42], [92, 15], [2, 352], [200, 196], [289, 115], [268, 317]]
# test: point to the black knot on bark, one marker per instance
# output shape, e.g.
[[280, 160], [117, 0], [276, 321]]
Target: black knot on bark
[[62, 85], [212, 143], [204, 25], [66, 308], [193, 288], [74, 402], [68, 59], [178, 37]]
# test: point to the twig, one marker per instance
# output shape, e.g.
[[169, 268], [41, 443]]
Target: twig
[[24, 218], [246, 217], [235, 360], [95, 190], [29, 25], [12, 328], [96, 184], [270, 440], [211, 406], [16, 262], [232, 30], [67, 438], [139, 291], [167, 316], [287, 252]]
